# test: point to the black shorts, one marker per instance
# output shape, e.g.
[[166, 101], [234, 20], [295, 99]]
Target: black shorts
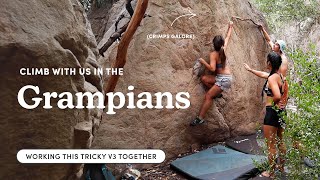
[[273, 118]]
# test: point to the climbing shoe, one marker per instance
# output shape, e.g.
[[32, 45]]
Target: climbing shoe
[[196, 121], [218, 96]]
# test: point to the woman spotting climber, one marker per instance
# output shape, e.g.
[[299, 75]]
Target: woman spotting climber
[[220, 82], [273, 125]]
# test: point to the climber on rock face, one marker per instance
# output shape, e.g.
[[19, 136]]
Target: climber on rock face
[[278, 47], [223, 78]]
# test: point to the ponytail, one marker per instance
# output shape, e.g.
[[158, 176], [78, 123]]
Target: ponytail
[[222, 56], [218, 43]]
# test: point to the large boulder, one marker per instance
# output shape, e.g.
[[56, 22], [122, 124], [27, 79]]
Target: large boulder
[[44, 34], [165, 65]]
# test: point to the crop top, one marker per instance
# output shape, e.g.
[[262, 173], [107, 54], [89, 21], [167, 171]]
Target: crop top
[[219, 66]]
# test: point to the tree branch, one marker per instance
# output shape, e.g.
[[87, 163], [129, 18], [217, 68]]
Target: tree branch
[[124, 44], [129, 7], [116, 35]]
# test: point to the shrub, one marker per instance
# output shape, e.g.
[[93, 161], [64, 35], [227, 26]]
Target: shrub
[[302, 134]]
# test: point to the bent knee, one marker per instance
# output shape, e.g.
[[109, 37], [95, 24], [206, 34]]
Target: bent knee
[[204, 79], [208, 79]]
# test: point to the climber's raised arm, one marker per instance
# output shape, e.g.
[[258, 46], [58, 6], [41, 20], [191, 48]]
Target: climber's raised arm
[[228, 35], [266, 36]]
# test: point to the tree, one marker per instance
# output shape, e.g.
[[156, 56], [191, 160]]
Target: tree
[[121, 58], [279, 12]]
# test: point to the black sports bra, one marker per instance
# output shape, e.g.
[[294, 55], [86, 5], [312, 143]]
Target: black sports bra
[[268, 91], [219, 66]]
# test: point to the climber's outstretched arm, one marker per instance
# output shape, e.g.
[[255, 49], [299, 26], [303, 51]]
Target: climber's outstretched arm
[[228, 35], [261, 74], [266, 36]]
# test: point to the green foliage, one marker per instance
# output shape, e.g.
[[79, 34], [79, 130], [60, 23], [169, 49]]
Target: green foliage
[[279, 12], [303, 126], [86, 4], [261, 165], [98, 3]]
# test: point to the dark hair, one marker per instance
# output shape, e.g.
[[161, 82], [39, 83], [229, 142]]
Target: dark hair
[[218, 42], [275, 61]]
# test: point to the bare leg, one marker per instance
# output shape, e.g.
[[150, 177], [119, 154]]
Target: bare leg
[[214, 91], [282, 149], [270, 133], [208, 80]]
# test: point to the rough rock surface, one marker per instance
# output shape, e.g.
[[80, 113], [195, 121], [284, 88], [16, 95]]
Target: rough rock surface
[[101, 18], [165, 65], [51, 34]]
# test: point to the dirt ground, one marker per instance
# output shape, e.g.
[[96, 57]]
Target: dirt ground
[[162, 172]]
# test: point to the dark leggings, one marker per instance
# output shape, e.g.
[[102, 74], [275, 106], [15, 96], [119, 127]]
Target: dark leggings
[[273, 118]]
